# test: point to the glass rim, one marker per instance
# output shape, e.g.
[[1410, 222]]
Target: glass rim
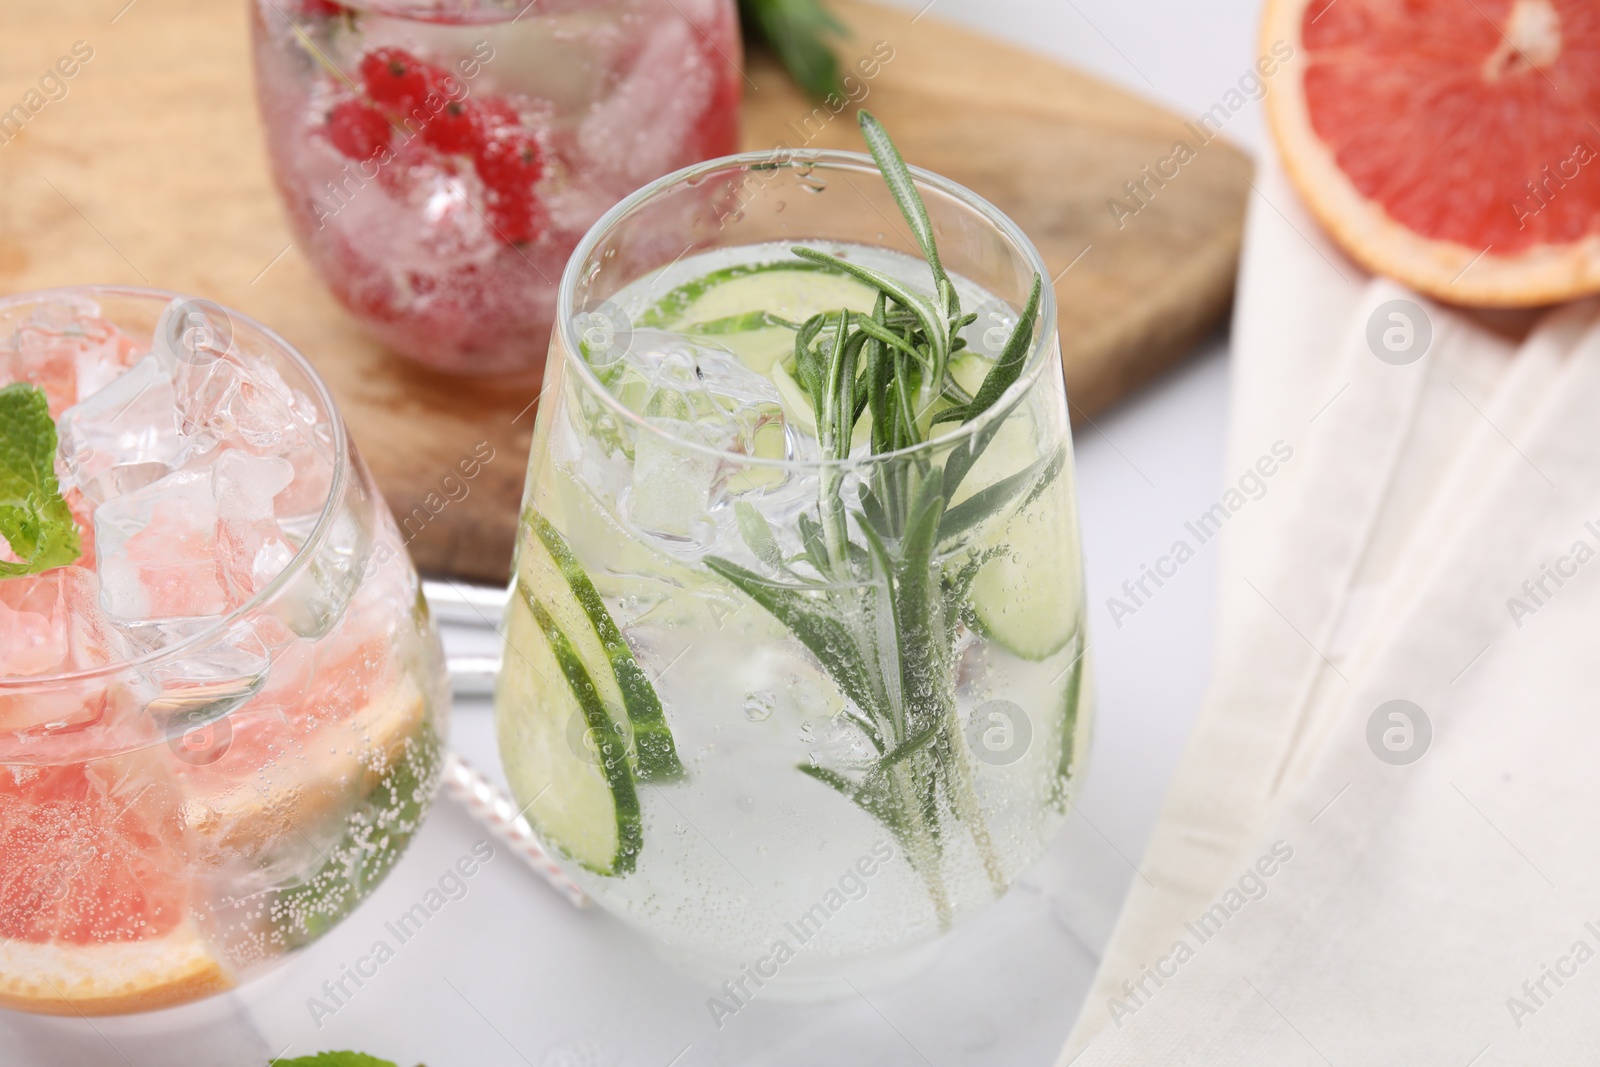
[[297, 563], [811, 158]]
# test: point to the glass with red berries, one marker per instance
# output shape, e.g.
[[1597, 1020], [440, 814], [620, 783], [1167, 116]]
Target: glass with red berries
[[440, 159]]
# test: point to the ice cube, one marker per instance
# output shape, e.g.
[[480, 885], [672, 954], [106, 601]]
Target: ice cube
[[69, 350], [192, 339], [263, 406], [193, 545], [703, 395], [300, 504], [207, 681], [315, 600], [705, 391], [672, 483], [51, 623], [158, 558], [638, 131], [125, 436], [253, 550], [228, 395], [306, 440]]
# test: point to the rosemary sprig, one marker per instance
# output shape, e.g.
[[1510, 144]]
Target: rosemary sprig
[[798, 30], [878, 607]]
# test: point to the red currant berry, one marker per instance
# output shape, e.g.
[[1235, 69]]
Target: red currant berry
[[357, 130], [516, 220], [496, 114], [455, 129], [510, 163], [395, 78], [322, 9]]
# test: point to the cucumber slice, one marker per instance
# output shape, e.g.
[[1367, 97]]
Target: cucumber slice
[[761, 340], [1068, 763], [585, 806], [548, 565], [969, 369], [1075, 728], [797, 409], [753, 309], [1026, 598]]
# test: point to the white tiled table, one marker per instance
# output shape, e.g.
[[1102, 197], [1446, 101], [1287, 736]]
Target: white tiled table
[[511, 974]]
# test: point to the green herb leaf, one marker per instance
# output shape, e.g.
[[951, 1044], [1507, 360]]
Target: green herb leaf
[[797, 31], [927, 315], [750, 320], [884, 335], [958, 588], [810, 365], [333, 1059], [34, 518], [758, 535], [1008, 368], [988, 501], [1064, 766], [808, 616], [897, 176], [883, 616], [815, 544], [872, 509], [872, 796]]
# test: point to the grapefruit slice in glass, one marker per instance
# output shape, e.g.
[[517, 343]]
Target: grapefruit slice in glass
[[1452, 146], [95, 914]]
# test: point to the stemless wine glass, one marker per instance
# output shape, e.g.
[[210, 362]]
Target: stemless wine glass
[[789, 716], [221, 724], [439, 159]]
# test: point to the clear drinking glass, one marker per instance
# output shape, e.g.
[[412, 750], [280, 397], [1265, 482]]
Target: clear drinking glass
[[439, 159], [787, 777], [222, 724]]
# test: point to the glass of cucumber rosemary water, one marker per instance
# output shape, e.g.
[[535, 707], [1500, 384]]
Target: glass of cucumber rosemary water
[[795, 672]]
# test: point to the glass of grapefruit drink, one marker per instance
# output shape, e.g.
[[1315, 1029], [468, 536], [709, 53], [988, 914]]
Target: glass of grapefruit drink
[[221, 699], [794, 671], [439, 159]]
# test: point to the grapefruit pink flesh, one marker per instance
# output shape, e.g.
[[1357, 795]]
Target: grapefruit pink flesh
[[89, 854], [1477, 127]]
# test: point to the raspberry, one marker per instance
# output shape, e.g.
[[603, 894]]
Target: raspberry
[[357, 130], [510, 163], [456, 129], [395, 78]]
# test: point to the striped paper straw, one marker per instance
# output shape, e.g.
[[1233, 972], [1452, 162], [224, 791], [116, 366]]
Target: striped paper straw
[[486, 803]]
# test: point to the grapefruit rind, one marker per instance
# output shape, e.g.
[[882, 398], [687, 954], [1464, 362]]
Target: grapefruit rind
[[307, 787], [1446, 270], [110, 979]]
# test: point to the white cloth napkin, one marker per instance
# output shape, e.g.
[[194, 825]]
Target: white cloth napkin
[[1412, 500]]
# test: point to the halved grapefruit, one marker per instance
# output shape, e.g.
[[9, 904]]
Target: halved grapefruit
[[1452, 146]]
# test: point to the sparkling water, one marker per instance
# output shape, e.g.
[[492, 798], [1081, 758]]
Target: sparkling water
[[748, 851]]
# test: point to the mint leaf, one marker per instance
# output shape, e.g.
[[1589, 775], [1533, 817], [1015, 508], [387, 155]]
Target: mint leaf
[[333, 1059], [34, 519]]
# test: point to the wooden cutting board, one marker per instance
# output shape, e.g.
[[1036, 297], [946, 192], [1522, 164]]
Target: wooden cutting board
[[150, 171]]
